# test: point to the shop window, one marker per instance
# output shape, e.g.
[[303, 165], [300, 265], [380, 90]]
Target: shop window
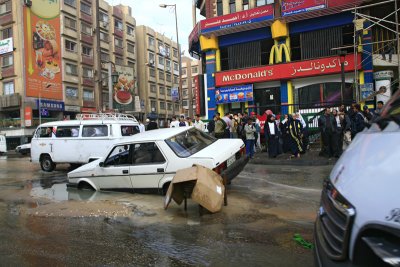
[[295, 47], [243, 55]]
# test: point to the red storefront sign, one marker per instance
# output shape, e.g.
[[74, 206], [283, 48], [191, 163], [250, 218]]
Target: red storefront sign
[[287, 71]]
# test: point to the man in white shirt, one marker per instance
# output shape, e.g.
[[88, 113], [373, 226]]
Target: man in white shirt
[[228, 122], [141, 127], [199, 124], [174, 123]]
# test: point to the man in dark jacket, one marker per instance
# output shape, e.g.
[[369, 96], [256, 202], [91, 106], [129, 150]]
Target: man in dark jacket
[[211, 126], [152, 125], [358, 122], [327, 125]]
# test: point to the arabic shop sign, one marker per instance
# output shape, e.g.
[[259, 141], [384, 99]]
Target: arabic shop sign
[[50, 105], [237, 19], [292, 7], [230, 94], [6, 46], [288, 71]]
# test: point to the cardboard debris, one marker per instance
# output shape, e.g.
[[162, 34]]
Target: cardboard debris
[[201, 184]]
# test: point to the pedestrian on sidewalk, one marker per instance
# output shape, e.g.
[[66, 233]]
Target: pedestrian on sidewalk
[[327, 126], [295, 143], [220, 126], [337, 134], [284, 126], [249, 130], [272, 136]]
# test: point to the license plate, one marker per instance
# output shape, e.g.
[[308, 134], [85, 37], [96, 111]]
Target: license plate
[[230, 161]]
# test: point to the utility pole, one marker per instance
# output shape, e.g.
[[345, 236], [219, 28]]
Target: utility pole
[[98, 52]]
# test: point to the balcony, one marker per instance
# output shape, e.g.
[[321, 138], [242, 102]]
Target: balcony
[[117, 13], [118, 50], [86, 17], [68, 9], [6, 19], [87, 60], [118, 32], [130, 38], [130, 55], [87, 38], [7, 101], [87, 81], [69, 32], [105, 45], [7, 71], [71, 55]]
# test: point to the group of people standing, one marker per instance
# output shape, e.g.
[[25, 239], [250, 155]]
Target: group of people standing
[[339, 127], [290, 134]]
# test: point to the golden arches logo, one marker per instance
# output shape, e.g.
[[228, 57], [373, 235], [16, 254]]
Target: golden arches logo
[[277, 52]]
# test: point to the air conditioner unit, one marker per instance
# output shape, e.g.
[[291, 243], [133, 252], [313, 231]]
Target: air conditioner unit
[[151, 62], [105, 24]]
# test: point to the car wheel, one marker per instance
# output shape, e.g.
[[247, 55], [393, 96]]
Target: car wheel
[[47, 164], [85, 186], [165, 189]]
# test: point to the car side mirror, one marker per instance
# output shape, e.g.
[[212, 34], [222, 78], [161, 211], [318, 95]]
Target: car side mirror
[[101, 164]]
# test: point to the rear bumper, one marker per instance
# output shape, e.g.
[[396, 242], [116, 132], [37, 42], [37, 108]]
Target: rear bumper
[[233, 170]]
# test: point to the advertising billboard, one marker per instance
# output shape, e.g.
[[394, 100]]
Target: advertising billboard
[[124, 89], [6, 46], [175, 94], [230, 94], [43, 50], [292, 7]]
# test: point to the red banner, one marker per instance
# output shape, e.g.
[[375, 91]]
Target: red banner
[[28, 116], [287, 71]]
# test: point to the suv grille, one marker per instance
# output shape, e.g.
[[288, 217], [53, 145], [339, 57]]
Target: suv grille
[[334, 223]]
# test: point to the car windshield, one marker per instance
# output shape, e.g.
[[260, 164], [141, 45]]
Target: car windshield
[[189, 142]]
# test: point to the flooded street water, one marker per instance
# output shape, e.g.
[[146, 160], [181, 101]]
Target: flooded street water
[[44, 223]]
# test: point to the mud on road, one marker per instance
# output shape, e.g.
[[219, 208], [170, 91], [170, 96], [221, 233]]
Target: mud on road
[[44, 223]]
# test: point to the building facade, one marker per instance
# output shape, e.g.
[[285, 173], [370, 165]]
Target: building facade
[[191, 71], [57, 65], [158, 74], [288, 55]]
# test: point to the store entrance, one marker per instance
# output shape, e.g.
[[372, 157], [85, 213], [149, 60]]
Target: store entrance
[[267, 98]]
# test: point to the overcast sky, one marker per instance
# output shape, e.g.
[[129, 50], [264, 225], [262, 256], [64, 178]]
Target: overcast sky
[[162, 20]]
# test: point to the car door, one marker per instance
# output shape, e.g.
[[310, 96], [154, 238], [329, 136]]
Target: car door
[[148, 165], [114, 174]]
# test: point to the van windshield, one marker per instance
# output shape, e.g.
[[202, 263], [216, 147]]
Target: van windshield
[[189, 142]]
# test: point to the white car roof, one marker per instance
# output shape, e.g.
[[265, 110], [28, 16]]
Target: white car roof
[[87, 122], [155, 135]]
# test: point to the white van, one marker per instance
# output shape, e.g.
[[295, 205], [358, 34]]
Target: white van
[[79, 141], [3, 144], [358, 222]]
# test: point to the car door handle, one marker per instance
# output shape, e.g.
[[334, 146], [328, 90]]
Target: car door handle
[[125, 171], [160, 170]]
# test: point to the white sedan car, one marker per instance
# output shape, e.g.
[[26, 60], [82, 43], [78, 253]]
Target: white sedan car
[[148, 161]]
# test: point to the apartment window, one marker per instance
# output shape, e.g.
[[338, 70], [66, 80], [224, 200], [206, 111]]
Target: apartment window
[[132, 65], [5, 7], [87, 72], [70, 23], [169, 106], [130, 30], [168, 91], [168, 77], [70, 46], [153, 88], [119, 61], [151, 58], [151, 41], [86, 8], [184, 82], [167, 50], [70, 3], [264, 2], [103, 16], [71, 69], [160, 60], [176, 106], [153, 105], [88, 95], [185, 103], [245, 4], [104, 56], [118, 42], [162, 105], [7, 60], [168, 64], [71, 92], [220, 8], [176, 79], [184, 72], [194, 69], [152, 72], [87, 51], [86, 29], [118, 24], [232, 6], [8, 88], [176, 66], [6, 33], [185, 92], [131, 48], [104, 36], [161, 90], [161, 75], [175, 51]]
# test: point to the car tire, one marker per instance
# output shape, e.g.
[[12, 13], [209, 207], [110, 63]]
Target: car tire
[[47, 164]]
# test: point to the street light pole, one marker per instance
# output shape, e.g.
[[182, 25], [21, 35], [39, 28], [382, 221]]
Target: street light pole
[[342, 55], [179, 55]]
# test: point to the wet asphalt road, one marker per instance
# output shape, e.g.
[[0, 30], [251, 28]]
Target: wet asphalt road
[[44, 224]]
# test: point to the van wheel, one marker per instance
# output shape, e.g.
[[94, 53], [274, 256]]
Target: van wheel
[[47, 164]]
